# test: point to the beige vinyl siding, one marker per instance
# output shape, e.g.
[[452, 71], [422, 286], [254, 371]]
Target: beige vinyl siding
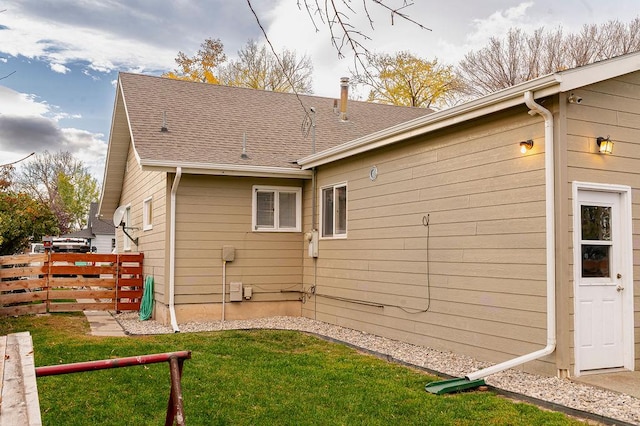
[[485, 280], [610, 108], [138, 186], [212, 212]]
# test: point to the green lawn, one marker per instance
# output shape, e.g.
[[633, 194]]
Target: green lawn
[[247, 378]]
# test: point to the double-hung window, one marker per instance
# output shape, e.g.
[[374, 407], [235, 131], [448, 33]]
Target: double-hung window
[[334, 211], [147, 214], [277, 209]]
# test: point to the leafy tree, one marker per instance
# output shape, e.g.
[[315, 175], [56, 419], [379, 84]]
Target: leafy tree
[[202, 66], [63, 184], [405, 79], [23, 219], [256, 68], [259, 68], [6, 177], [521, 57]]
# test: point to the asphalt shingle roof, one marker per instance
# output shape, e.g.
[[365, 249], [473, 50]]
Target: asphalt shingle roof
[[95, 226], [207, 123]]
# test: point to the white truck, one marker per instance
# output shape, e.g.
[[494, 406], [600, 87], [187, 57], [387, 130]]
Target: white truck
[[62, 245]]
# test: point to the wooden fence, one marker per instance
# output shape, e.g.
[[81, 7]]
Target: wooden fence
[[67, 282]]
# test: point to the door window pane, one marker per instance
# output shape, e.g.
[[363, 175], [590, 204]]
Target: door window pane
[[595, 261], [596, 223]]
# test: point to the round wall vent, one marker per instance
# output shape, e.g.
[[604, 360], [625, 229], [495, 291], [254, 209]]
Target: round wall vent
[[373, 173]]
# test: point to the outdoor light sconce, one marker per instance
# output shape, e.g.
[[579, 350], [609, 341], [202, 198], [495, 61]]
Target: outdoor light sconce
[[526, 146], [605, 145]]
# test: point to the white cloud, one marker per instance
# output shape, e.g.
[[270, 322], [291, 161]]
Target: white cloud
[[122, 35], [21, 103], [59, 68], [89, 147], [66, 43], [499, 22], [92, 76], [28, 125], [57, 116]]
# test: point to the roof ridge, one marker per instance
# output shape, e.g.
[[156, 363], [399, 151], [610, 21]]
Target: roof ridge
[[269, 92]]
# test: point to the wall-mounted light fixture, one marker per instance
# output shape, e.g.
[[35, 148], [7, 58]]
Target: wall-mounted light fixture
[[526, 146], [605, 145]]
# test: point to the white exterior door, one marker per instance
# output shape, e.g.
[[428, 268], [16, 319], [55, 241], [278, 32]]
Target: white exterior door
[[602, 280]]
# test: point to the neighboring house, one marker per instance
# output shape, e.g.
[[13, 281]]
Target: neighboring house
[[100, 233], [435, 230]]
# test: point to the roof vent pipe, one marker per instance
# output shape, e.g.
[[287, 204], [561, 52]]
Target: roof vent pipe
[[164, 122], [244, 146], [344, 96]]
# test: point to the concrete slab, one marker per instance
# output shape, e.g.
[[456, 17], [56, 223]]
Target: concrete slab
[[627, 382], [102, 323]]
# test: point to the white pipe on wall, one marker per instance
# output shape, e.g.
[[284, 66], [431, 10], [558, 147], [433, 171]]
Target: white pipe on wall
[[172, 251], [224, 285], [551, 247]]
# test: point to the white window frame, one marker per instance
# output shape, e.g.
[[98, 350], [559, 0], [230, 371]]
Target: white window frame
[[147, 213], [126, 242], [334, 234], [276, 225]]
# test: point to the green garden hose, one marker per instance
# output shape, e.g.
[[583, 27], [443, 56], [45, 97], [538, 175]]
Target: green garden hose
[[146, 306]]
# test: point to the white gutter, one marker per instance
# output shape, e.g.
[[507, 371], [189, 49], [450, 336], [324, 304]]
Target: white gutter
[[546, 85], [503, 99], [551, 248], [172, 251], [224, 169]]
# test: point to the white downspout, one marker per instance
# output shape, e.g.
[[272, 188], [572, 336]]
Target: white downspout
[[172, 251], [551, 247]]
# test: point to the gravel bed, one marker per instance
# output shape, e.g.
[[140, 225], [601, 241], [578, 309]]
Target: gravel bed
[[554, 390]]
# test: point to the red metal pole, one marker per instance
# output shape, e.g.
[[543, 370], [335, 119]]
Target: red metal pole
[[52, 370], [175, 408]]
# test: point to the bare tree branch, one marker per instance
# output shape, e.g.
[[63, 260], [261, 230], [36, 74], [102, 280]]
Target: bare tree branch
[[257, 68], [336, 16], [273, 50], [521, 57], [17, 161], [8, 75]]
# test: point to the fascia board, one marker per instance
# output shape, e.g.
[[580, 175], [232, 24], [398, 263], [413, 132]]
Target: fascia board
[[599, 71], [225, 169], [507, 98], [133, 142], [111, 146]]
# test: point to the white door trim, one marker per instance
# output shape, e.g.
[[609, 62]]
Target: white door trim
[[626, 266]]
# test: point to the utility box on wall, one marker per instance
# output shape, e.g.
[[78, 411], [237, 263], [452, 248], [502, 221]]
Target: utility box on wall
[[228, 253], [235, 292]]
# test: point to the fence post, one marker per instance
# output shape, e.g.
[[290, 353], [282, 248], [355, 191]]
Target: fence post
[[117, 280], [48, 280]]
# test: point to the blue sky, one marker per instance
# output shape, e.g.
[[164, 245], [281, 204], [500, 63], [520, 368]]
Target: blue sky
[[64, 55]]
